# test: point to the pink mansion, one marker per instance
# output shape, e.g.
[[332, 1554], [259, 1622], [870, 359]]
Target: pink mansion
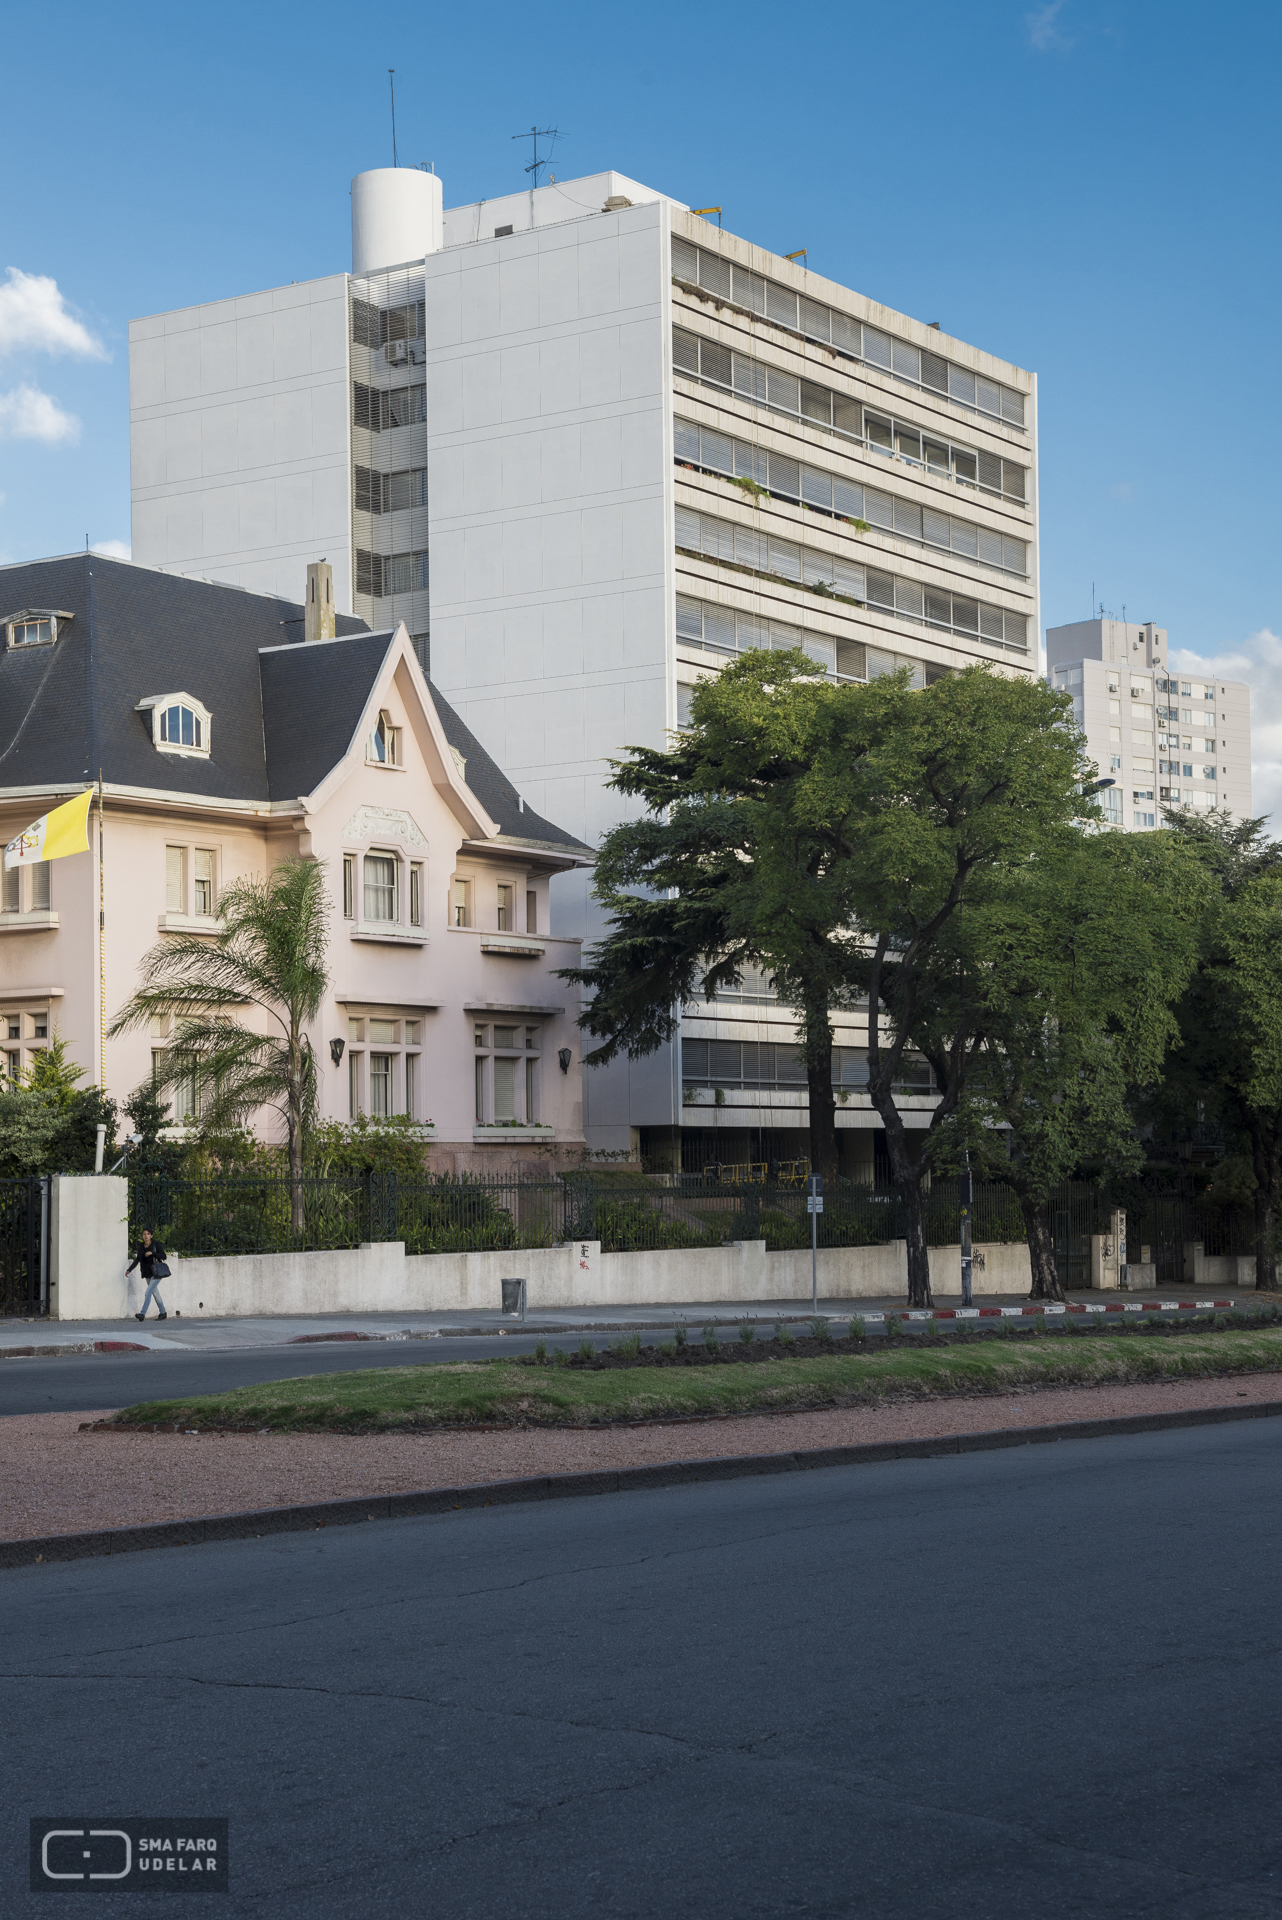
[[233, 729]]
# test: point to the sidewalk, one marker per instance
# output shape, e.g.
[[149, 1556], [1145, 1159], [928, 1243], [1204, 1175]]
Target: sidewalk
[[19, 1338]]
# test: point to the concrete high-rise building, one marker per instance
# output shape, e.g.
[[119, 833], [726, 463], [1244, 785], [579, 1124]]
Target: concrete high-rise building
[[1165, 739], [589, 447]]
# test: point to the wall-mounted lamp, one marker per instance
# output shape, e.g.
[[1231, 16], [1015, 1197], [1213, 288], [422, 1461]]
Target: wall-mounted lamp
[[336, 1050], [565, 1056]]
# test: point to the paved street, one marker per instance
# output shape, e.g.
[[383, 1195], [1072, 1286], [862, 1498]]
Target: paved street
[[1035, 1683], [103, 1380]]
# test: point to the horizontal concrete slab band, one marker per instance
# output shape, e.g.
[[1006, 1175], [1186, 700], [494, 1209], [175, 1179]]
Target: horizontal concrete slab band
[[560, 1486]]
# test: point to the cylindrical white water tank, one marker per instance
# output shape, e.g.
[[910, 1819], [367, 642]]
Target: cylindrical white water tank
[[398, 214]]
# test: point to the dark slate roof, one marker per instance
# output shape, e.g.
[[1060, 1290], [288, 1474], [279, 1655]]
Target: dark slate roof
[[147, 633], [69, 709], [495, 791], [325, 686]]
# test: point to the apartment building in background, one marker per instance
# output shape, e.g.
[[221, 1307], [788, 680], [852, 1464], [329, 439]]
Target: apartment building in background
[[1164, 738], [589, 448]]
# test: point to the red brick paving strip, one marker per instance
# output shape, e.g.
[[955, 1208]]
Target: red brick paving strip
[[55, 1479]]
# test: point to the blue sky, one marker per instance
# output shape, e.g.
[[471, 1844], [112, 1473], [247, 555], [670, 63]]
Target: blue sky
[[1090, 190]]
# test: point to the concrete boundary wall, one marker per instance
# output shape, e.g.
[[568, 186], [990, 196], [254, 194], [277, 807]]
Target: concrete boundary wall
[[89, 1248], [382, 1278]]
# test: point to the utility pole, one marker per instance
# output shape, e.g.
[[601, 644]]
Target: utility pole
[[965, 1197]]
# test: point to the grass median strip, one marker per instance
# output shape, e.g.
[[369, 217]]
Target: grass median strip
[[508, 1393]]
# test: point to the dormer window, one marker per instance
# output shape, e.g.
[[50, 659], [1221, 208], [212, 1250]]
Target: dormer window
[[32, 627], [179, 724], [385, 743]]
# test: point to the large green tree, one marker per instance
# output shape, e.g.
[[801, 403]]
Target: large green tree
[[1228, 1070], [1073, 965], [830, 833], [270, 955]]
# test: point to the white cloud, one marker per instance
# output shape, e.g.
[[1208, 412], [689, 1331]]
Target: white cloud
[[28, 414], [1043, 28], [33, 315], [1258, 661], [113, 549]]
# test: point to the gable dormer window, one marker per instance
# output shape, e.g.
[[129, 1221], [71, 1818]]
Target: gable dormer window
[[384, 747], [179, 724], [32, 627]]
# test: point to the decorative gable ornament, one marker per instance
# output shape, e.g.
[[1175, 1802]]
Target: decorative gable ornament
[[384, 823]]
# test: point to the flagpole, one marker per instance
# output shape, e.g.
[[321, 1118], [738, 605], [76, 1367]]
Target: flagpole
[[102, 954]]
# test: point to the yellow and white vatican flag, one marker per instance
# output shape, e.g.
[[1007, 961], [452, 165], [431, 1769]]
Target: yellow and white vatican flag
[[65, 830]]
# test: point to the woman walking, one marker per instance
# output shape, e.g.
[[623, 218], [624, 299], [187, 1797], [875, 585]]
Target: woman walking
[[150, 1257]]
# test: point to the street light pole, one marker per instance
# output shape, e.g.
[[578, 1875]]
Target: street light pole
[[964, 1196]]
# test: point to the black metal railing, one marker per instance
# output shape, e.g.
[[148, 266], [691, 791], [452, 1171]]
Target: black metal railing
[[625, 1211], [24, 1221]]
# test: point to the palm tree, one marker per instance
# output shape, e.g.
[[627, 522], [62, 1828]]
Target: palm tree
[[270, 955]]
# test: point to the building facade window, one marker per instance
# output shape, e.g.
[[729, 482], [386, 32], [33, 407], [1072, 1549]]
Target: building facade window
[[32, 630], [349, 886], [11, 889], [783, 307], [175, 879], [531, 912], [840, 414], [380, 1084], [203, 881], [41, 898], [461, 903], [819, 491], [384, 747], [506, 1074], [380, 887], [506, 911], [179, 724], [416, 893]]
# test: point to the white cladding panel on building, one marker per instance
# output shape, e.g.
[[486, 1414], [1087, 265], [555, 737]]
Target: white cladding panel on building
[[239, 439]]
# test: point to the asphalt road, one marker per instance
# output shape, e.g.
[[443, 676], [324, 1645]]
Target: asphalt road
[[1042, 1682], [101, 1381], [105, 1380]]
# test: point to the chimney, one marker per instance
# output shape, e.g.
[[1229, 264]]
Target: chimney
[[318, 615]]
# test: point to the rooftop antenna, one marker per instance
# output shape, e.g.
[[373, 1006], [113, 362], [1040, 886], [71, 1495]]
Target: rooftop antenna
[[536, 134], [391, 81]]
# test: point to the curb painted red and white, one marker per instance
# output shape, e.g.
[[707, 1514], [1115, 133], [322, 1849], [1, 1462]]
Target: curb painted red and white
[[1047, 1307]]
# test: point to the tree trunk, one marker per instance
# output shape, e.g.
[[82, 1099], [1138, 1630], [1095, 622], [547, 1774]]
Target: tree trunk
[[823, 1121], [1266, 1260], [1268, 1177], [816, 1035], [910, 1195], [296, 1215], [1041, 1252]]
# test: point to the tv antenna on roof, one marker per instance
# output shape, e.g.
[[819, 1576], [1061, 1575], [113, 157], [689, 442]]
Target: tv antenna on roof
[[391, 81], [536, 134]]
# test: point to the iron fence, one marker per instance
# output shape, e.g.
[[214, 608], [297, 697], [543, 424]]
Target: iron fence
[[24, 1239], [626, 1212]]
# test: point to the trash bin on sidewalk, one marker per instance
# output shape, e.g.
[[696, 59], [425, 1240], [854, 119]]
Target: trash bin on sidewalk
[[513, 1296]]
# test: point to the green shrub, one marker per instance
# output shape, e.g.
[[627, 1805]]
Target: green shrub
[[858, 1331], [747, 1332], [711, 1337], [586, 1350], [820, 1328], [784, 1333]]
